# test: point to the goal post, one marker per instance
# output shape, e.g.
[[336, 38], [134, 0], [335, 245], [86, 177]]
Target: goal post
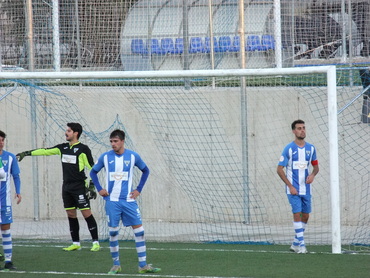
[[174, 117]]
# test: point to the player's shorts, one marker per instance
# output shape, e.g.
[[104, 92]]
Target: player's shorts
[[300, 203], [6, 215], [74, 197], [128, 212]]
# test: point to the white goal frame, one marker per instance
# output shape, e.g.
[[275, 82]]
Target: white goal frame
[[331, 97]]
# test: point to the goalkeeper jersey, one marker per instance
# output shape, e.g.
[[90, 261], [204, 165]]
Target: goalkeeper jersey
[[11, 169], [297, 161], [119, 170], [74, 160]]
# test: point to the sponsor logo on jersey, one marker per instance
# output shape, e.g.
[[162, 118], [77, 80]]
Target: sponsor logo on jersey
[[71, 159], [118, 176], [300, 165]]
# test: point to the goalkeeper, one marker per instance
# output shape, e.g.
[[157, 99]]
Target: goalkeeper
[[76, 191]]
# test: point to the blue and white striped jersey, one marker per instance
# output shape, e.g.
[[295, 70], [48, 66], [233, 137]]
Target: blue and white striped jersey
[[119, 173], [297, 161], [11, 169]]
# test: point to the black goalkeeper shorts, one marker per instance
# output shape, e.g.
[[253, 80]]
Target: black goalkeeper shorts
[[74, 196]]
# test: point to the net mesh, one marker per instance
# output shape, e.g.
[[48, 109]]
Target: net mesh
[[189, 134]]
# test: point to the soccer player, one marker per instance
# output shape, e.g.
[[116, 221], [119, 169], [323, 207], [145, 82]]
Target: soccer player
[[120, 197], [9, 164], [76, 194], [297, 157]]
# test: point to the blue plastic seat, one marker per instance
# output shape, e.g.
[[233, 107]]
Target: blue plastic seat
[[179, 45], [224, 44], [253, 43], [207, 45], [167, 46], [268, 42], [138, 47], [235, 44], [196, 45], [155, 48]]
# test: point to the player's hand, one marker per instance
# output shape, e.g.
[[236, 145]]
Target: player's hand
[[293, 191], [91, 195], [103, 193], [90, 191], [134, 194], [18, 197], [310, 179], [21, 155]]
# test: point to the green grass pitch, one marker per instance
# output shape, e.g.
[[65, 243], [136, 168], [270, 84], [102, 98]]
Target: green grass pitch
[[47, 259]]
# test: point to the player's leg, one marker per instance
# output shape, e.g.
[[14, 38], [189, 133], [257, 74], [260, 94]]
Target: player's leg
[[6, 218], [113, 213], [132, 217], [298, 243], [7, 246], [74, 226], [306, 210], [74, 229], [304, 220], [84, 206], [141, 251], [298, 229]]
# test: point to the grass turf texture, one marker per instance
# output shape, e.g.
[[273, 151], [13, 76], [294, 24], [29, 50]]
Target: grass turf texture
[[38, 259]]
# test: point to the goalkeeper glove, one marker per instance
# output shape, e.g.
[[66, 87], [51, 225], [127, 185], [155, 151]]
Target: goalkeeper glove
[[21, 155], [90, 191]]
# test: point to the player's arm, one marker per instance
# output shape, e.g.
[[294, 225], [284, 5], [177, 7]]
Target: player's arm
[[86, 159], [315, 170], [281, 173], [94, 176], [139, 163], [144, 176], [15, 171], [38, 152], [315, 167]]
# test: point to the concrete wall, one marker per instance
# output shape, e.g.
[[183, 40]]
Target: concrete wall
[[270, 113]]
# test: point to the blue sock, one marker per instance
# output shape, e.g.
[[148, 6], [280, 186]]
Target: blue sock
[[7, 245], [140, 245], [113, 244]]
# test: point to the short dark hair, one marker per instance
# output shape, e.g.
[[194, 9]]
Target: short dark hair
[[2, 134], [296, 122], [76, 127], [118, 133]]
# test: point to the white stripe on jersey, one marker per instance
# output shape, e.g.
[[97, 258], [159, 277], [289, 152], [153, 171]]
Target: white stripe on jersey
[[8, 201], [301, 167], [132, 164], [117, 184]]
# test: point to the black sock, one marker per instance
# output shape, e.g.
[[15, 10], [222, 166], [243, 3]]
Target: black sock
[[74, 229], [93, 227]]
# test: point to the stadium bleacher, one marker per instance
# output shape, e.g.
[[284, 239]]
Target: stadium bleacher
[[202, 45]]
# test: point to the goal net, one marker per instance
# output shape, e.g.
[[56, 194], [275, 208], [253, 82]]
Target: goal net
[[212, 146]]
